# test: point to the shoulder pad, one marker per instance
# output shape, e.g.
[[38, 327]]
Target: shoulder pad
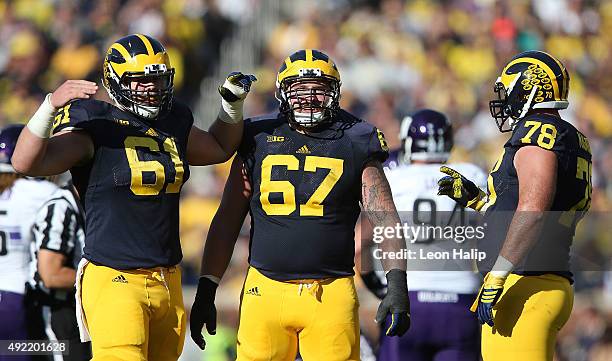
[[266, 118], [257, 125], [260, 123], [364, 135], [76, 114], [180, 107]]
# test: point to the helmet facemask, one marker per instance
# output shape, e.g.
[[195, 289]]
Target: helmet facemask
[[499, 107], [147, 94], [511, 104], [309, 100]]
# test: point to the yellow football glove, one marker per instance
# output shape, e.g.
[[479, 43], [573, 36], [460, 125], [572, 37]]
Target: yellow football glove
[[461, 189], [488, 296]]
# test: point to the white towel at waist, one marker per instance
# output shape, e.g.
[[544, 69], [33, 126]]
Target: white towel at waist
[[80, 314]]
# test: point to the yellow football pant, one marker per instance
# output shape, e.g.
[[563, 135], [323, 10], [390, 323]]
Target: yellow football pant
[[527, 317], [134, 315], [321, 316]]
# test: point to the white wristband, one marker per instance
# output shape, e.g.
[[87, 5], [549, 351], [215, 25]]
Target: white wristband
[[42, 121], [231, 113], [215, 279], [502, 267]]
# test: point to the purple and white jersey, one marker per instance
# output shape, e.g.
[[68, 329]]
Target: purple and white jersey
[[414, 188], [18, 207]]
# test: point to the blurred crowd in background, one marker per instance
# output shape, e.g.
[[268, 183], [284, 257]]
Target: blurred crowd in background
[[394, 56]]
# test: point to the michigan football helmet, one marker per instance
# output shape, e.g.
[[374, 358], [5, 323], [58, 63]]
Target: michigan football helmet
[[140, 59], [531, 80], [8, 142], [425, 135], [308, 88]]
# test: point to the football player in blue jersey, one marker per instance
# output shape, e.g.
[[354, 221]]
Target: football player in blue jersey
[[129, 161], [537, 192], [301, 173]]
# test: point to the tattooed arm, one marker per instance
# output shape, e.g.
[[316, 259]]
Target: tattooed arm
[[377, 201], [378, 205]]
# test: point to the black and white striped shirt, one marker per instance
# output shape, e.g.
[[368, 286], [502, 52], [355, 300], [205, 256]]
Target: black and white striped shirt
[[59, 227]]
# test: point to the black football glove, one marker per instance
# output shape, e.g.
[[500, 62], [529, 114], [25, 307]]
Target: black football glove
[[374, 284], [203, 311], [396, 303], [461, 189], [236, 86]]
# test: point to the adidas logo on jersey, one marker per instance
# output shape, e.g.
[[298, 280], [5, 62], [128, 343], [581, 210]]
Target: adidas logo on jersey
[[253, 291], [303, 150], [151, 132], [120, 279]]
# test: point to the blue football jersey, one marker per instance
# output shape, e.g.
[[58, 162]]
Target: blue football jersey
[[306, 194], [130, 188]]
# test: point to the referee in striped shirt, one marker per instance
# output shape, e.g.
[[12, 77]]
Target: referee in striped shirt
[[59, 236]]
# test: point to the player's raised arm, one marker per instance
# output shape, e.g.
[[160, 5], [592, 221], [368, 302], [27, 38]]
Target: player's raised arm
[[224, 135], [218, 250], [37, 153], [378, 205]]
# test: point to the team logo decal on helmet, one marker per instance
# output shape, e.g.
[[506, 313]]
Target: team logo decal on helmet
[[308, 88], [139, 58], [532, 80], [426, 135]]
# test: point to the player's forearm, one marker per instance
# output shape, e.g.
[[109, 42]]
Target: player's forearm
[[380, 209], [393, 244], [227, 222], [537, 173], [523, 232], [227, 137], [220, 242], [364, 243], [365, 263], [217, 255]]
